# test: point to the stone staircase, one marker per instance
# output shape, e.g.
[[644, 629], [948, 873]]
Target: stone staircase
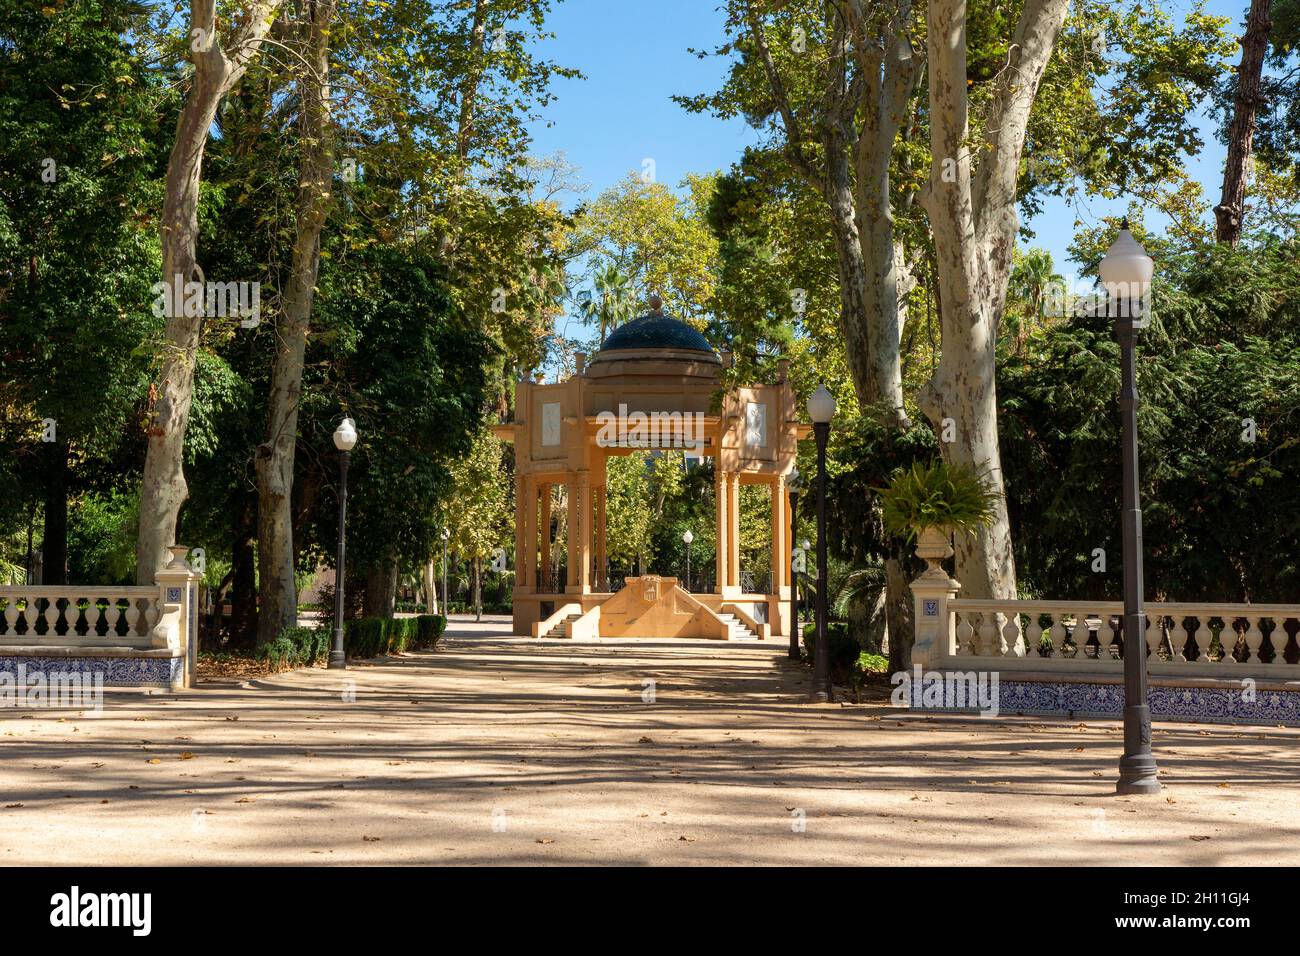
[[561, 628], [739, 630]]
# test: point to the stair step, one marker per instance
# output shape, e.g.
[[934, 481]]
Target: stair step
[[558, 630]]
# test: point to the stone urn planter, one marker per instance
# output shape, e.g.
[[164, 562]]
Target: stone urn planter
[[934, 545]]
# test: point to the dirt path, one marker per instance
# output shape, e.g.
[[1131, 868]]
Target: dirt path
[[503, 750]]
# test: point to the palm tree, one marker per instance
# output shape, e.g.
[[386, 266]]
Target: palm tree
[[613, 302], [1032, 275]]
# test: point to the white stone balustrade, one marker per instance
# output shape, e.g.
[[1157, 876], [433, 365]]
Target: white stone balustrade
[[157, 623], [1182, 639], [78, 616]]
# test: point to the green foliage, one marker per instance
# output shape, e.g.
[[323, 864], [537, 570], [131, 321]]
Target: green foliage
[[296, 647], [101, 538], [936, 495], [1222, 354], [377, 636]]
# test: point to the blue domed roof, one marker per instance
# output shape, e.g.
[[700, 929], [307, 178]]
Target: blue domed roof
[[657, 331]]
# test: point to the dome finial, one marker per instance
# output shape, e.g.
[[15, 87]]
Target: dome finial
[[656, 303]]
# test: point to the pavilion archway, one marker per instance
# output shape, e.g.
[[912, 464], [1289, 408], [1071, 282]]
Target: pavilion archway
[[655, 383]]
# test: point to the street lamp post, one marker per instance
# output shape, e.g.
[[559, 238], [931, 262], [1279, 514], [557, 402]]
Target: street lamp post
[[821, 409], [1126, 273], [688, 537], [795, 484], [345, 438]]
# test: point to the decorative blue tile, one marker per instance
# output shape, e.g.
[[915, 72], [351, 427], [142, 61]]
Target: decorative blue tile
[[117, 671], [1195, 704]]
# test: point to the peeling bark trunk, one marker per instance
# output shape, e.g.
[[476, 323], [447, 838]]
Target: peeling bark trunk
[[163, 489], [275, 457], [1241, 134], [469, 87], [431, 586], [869, 319], [974, 222]]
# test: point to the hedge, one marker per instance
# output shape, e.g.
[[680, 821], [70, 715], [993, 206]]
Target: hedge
[[376, 636], [297, 647]]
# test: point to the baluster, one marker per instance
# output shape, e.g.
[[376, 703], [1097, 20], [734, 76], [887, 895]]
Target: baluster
[[1011, 636], [1034, 635], [991, 635], [132, 617], [112, 614], [1079, 635], [1254, 639], [1228, 640], [1153, 635], [152, 613], [1203, 637], [51, 615], [1105, 634], [11, 616], [1178, 639], [1058, 634], [965, 632]]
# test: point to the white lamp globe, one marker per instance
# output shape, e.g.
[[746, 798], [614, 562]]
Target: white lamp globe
[[1126, 270], [821, 405], [345, 436], [688, 537]]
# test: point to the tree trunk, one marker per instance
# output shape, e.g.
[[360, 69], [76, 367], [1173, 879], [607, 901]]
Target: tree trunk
[[243, 588], [54, 542], [478, 588], [275, 457], [431, 586], [1229, 212], [898, 615], [163, 489], [974, 222], [473, 74], [381, 586]]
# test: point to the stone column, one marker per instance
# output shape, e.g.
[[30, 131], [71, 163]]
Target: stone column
[[177, 625], [587, 515], [530, 533], [544, 563], [720, 485], [733, 529], [780, 524], [572, 547], [521, 533], [602, 579], [931, 592]]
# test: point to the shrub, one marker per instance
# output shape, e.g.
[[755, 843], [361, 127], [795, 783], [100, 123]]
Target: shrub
[[296, 647], [375, 636], [937, 495], [844, 650]]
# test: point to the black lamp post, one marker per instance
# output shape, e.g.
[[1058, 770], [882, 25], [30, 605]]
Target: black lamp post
[[795, 484], [688, 537], [1126, 273], [821, 409], [345, 438]]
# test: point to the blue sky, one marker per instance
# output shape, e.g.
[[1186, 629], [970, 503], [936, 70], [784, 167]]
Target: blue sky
[[635, 57]]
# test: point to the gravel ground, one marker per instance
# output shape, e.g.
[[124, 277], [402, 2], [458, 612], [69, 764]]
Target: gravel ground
[[500, 750]]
